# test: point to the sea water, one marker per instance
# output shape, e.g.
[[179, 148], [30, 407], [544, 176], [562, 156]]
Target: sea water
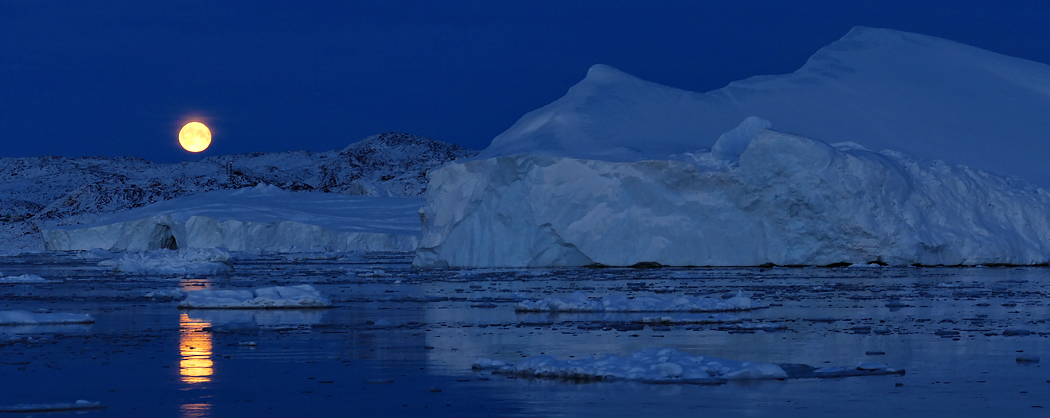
[[401, 342]]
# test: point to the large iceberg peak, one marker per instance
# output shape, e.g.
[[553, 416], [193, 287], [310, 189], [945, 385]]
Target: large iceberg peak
[[882, 89], [609, 115], [604, 74]]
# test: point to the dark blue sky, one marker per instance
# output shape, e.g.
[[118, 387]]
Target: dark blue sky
[[87, 77]]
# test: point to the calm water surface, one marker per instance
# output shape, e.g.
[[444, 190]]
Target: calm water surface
[[400, 342]]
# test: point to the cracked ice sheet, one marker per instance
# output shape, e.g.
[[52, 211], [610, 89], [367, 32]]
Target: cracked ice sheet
[[579, 302], [668, 365]]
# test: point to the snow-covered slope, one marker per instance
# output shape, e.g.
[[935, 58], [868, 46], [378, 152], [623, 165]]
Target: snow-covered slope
[[263, 218], [56, 190], [788, 200], [883, 89]]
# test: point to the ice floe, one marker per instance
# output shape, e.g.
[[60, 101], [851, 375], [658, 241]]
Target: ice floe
[[24, 279], [579, 302], [80, 405], [233, 319], [654, 365], [302, 296], [163, 261], [668, 365], [29, 318]]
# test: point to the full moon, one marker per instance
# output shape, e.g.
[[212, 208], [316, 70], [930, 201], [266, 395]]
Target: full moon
[[195, 137]]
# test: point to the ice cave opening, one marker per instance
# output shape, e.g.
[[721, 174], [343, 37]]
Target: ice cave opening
[[163, 238]]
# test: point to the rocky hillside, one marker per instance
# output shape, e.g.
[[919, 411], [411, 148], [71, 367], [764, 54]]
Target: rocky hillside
[[57, 190]]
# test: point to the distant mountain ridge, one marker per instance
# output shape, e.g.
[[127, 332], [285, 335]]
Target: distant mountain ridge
[[62, 190]]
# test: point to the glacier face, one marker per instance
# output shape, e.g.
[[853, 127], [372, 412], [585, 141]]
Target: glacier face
[[883, 89], [788, 200], [263, 218]]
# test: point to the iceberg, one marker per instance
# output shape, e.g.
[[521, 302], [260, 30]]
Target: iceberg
[[787, 200], [883, 89], [621, 171], [261, 218]]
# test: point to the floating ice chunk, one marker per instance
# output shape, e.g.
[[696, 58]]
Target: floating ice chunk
[[802, 371], [652, 365], [872, 366], [302, 296], [236, 327], [579, 302], [757, 372], [24, 279], [183, 261], [52, 407], [831, 370], [261, 317], [1027, 358], [487, 363], [29, 318]]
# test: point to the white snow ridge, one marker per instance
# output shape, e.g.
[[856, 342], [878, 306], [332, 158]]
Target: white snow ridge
[[277, 297]]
